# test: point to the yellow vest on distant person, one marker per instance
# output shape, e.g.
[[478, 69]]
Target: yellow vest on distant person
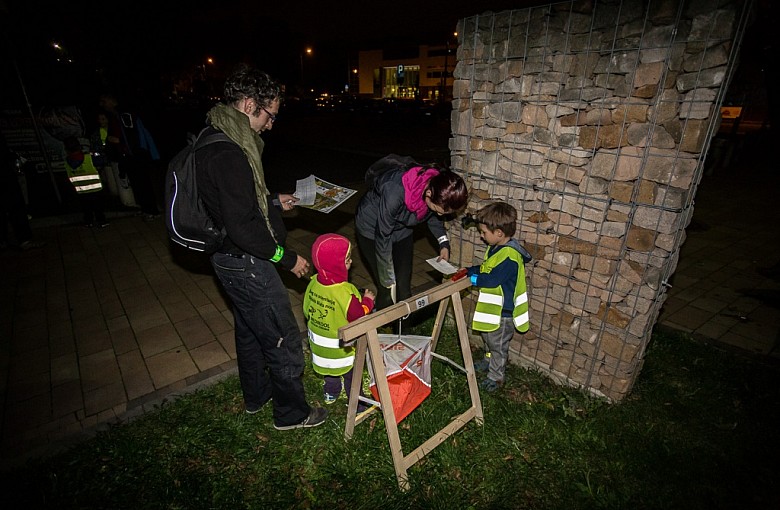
[[85, 177]]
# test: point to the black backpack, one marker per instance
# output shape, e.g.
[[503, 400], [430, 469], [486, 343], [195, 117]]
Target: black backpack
[[387, 163], [188, 222]]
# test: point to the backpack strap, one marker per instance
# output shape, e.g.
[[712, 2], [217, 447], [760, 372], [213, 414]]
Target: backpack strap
[[202, 140]]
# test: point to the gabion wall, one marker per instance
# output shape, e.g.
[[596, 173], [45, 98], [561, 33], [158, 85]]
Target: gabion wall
[[593, 119]]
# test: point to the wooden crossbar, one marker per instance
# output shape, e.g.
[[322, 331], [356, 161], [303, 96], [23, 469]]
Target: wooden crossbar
[[363, 333]]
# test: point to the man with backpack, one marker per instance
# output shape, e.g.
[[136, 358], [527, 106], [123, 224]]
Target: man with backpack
[[231, 185]]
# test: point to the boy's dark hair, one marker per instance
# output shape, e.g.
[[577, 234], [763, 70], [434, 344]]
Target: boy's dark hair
[[499, 216], [247, 82]]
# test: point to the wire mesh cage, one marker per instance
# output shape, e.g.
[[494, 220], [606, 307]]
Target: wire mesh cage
[[593, 119]]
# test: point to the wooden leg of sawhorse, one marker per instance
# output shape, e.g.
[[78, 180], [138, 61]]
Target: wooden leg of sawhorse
[[371, 342], [465, 346], [468, 362], [357, 381]]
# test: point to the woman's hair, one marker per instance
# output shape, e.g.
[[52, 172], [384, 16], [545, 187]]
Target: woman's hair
[[247, 82], [448, 190], [499, 216]]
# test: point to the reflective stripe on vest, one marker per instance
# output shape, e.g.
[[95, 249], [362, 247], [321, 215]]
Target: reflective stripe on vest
[[333, 363], [90, 183], [323, 341]]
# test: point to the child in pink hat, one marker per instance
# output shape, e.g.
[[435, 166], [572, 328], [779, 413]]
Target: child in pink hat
[[329, 303]]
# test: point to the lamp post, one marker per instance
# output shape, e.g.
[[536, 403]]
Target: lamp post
[[308, 52], [444, 77]]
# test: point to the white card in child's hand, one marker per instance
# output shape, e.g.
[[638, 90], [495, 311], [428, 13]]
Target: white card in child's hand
[[442, 266]]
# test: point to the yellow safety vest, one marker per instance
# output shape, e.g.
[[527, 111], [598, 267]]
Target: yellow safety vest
[[490, 302], [85, 177], [325, 308]]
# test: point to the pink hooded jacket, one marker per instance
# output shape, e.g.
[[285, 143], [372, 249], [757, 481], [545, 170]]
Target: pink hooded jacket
[[329, 254]]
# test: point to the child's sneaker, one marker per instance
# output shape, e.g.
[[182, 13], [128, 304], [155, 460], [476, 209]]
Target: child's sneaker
[[329, 399], [482, 365], [490, 385]]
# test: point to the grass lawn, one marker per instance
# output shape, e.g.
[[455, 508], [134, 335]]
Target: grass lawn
[[699, 431]]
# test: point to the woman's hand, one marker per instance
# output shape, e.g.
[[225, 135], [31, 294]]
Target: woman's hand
[[287, 201], [368, 293], [301, 267]]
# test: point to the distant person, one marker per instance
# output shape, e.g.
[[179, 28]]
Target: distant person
[[329, 303], [86, 181], [401, 196], [104, 154], [13, 209], [502, 305], [232, 185], [136, 151]]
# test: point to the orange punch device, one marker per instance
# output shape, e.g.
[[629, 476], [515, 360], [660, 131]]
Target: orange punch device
[[460, 274]]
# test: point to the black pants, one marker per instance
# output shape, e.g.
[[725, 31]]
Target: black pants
[[92, 205], [13, 210], [403, 255], [269, 347]]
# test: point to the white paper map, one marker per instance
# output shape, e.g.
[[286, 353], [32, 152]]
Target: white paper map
[[442, 266], [320, 195]]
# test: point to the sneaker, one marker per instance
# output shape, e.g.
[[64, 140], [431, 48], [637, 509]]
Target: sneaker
[[329, 399], [482, 365], [317, 416], [490, 385]]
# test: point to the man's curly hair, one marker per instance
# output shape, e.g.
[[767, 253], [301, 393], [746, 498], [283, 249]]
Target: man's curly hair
[[248, 82]]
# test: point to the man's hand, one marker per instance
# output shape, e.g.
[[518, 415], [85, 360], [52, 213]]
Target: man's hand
[[287, 201], [444, 254], [301, 268]]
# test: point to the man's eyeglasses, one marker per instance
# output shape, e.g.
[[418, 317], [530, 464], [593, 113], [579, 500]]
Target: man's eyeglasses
[[270, 115]]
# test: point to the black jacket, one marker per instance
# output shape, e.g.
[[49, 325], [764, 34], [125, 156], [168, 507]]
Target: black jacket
[[226, 186]]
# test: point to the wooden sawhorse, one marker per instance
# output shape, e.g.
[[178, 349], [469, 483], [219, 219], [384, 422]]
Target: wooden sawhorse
[[364, 332]]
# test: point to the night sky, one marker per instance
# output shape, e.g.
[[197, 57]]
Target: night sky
[[141, 43], [139, 48]]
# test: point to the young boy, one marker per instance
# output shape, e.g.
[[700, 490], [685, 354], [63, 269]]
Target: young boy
[[86, 181], [502, 305], [329, 303]]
